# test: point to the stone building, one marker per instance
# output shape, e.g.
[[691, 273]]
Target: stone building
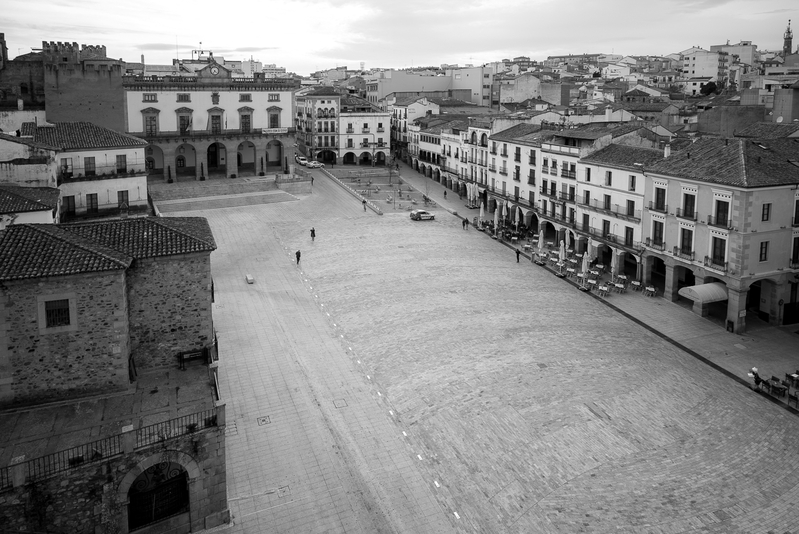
[[95, 316], [212, 124]]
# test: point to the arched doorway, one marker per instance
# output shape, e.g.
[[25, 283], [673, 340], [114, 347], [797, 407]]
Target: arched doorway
[[217, 158], [422, 169], [550, 232], [154, 160], [416, 165], [348, 159], [656, 269], [274, 154], [437, 175], [380, 158], [683, 277], [160, 492], [245, 156], [429, 173], [628, 265], [365, 158], [326, 156], [185, 160]]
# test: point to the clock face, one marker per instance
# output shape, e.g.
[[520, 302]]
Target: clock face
[[214, 71]]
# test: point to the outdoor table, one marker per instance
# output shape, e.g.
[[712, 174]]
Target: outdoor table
[[603, 290], [550, 243], [594, 273], [650, 291], [636, 285], [592, 282], [527, 247], [572, 260], [600, 267], [514, 239], [570, 271], [578, 255], [620, 288]]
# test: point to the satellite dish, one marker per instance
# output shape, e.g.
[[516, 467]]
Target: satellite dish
[[779, 119]]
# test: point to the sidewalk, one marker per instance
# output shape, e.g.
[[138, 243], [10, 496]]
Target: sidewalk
[[771, 349]]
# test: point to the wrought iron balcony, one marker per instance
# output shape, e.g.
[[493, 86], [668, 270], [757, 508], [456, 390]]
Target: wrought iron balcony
[[568, 174], [684, 254], [690, 215], [567, 197], [716, 263], [662, 208], [720, 222], [656, 245], [503, 171]]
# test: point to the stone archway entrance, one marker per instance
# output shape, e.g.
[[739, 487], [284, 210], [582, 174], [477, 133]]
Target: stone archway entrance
[[274, 154], [217, 158], [245, 159], [160, 492]]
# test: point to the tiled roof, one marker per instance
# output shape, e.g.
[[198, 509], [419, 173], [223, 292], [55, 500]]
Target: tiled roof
[[519, 132], [26, 141], [323, 91], [149, 237], [632, 107], [624, 156], [14, 199], [451, 102], [40, 250], [735, 162], [79, 135], [596, 131], [769, 130]]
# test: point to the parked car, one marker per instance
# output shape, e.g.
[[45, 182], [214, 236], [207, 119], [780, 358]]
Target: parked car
[[315, 165], [422, 215], [301, 160]]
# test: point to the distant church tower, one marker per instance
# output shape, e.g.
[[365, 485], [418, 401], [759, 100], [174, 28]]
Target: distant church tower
[[787, 46]]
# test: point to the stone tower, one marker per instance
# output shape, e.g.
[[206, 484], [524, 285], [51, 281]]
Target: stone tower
[[787, 46]]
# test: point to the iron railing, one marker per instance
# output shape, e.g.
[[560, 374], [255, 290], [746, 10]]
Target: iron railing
[[46, 466], [656, 245], [716, 263], [683, 214], [682, 254], [721, 222], [188, 424], [662, 208]]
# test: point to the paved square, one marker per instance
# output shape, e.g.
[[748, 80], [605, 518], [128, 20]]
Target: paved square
[[482, 395]]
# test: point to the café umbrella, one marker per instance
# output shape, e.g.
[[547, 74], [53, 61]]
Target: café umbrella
[[585, 269], [562, 254], [613, 261], [540, 243], [496, 219], [482, 212]]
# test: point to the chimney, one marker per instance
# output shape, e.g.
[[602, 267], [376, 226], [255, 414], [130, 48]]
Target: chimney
[[666, 151], [608, 112]]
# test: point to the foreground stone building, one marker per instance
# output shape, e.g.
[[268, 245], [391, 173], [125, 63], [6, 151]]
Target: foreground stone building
[[95, 316]]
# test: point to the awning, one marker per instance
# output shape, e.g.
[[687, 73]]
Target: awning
[[705, 293]]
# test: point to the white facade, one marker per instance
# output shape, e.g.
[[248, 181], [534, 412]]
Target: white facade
[[88, 196]]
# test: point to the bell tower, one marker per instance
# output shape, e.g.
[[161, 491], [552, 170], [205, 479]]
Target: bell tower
[[787, 46]]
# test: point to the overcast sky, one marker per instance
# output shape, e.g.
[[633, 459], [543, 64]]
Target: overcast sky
[[309, 35]]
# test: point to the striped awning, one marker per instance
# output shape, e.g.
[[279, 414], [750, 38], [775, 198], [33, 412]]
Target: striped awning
[[705, 293]]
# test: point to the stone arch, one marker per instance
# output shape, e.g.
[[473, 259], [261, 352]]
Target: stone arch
[[123, 489], [349, 158], [474, 138], [245, 158], [216, 157], [274, 153], [185, 160], [380, 158], [154, 159], [484, 140], [365, 158]]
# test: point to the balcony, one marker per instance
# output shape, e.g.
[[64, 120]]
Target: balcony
[[194, 134], [483, 162], [616, 210], [568, 174], [504, 154], [544, 170], [531, 161], [551, 193], [689, 215], [492, 168], [503, 171], [493, 151], [517, 158], [662, 208], [566, 197], [365, 130], [350, 130], [655, 245], [531, 180], [716, 263], [560, 149], [684, 254], [720, 222], [380, 130]]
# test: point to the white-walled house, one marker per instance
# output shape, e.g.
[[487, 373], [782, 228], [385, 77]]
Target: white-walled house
[[211, 123], [99, 171], [28, 205]]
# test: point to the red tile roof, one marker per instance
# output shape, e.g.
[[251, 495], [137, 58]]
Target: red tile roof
[[149, 237], [15, 199], [41, 250], [79, 135], [735, 162]]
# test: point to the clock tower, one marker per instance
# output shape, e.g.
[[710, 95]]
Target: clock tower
[[787, 46]]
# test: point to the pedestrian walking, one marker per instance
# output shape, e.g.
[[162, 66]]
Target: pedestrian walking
[[311, 180], [313, 234], [298, 256], [518, 253], [364, 204], [445, 195]]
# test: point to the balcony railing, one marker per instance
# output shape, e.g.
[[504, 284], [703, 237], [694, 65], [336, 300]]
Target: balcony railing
[[568, 174], [493, 151], [684, 254], [548, 193], [492, 168], [504, 154], [531, 161], [662, 208], [568, 197], [690, 215], [518, 158], [381, 130], [723, 222], [531, 179], [656, 245], [516, 177], [214, 132], [350, 130], [617, 210], [716, 263], [544, 170], [503, 171], [365, 130]]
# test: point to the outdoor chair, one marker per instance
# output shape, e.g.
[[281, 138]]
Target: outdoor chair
[[766, 385], [793, 399], [603, 291], [790, 379]]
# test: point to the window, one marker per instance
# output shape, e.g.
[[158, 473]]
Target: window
[[122, 199], [605, 228], [606, 203], [587, 198], [88, 166], [57, 313], [718, 251], [274, 119], [518, 154], [184, 123], [631, 208], [245, 124], [216, 124], [274, 97], [657, 232], [722, 212], [608, 178], [660, 199], [122, 163], [689, 205], [764, 251], [180, 162], [245, 97], [766, 212], [588, 174], [184, 97], [795, 250], [91, 203], [631, 185], [628, 236], [215, 98], [150, 124], [66, 167], [149, 97], [686, 240], [68, 204]]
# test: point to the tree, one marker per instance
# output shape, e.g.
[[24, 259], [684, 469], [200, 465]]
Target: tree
[[707, 88]]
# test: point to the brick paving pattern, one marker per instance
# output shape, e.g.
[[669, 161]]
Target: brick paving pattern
[[417, 379]]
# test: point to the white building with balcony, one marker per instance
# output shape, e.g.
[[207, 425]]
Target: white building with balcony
[[722, 229]]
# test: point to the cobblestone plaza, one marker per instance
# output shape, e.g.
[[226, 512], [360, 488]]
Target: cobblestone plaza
[[413, 377]]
